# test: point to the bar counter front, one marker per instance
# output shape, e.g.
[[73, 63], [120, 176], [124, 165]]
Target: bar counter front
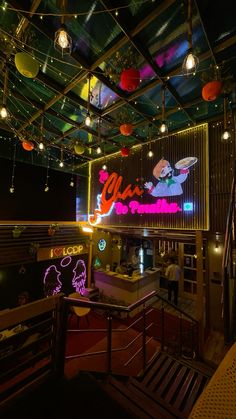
[[126, 290]]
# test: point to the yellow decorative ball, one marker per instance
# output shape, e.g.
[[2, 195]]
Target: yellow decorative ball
[[79, 149], [26, 65]]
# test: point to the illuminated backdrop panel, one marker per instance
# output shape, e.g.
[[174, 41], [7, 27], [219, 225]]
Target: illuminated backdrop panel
[[169, 190]]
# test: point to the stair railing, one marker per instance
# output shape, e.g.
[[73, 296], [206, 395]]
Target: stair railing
[[145, 306], [227, 269]]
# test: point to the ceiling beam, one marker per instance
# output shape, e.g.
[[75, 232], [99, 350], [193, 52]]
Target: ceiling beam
[[146, 56]]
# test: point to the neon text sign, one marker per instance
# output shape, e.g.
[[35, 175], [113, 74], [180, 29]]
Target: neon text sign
[[112, 191], [66, 251], [161, 206]]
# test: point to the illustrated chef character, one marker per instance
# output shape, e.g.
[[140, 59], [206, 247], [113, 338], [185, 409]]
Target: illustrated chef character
[[168, 184]]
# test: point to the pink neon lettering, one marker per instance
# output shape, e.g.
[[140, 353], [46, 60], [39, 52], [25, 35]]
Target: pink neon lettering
[[160, 207]]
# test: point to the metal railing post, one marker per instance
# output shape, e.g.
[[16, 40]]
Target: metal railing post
[[109, 342], [162, 326], [144, 337], [180, 334]]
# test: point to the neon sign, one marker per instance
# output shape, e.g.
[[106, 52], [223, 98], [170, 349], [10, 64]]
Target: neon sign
[[66, 251], [52, 283], [161, 206], [110, 193], [102, 245], [79, 278]]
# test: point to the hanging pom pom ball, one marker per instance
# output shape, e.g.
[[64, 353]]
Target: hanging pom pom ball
[[79, 149], [129, 79], [26, 65], [126, 129], [125, 151], [211, 90], [27, 145]]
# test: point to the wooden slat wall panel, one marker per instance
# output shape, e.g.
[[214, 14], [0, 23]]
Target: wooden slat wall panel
[[15, 251], [138, 168], [220, 176]]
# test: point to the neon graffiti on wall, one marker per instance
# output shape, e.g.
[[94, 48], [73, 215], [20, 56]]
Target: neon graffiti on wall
[[52, 283], [79, 278]]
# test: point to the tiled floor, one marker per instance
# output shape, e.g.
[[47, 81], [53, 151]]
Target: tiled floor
[[186, 304]]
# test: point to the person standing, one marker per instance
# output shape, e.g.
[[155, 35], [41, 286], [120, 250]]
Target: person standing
[[172, 273]]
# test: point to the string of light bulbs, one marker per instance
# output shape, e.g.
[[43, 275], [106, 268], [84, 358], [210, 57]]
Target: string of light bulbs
[[5, 7]]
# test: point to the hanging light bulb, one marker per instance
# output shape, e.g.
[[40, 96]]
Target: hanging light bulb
[[99, 150], [104, 167], [72, 184], [46, 189], [190, 62], [225, 137], [163, 127], [3, 112], [61, 164], [88, 120], [150, 153], [62, 40], [88, 117], [12, 189], [41, 144]]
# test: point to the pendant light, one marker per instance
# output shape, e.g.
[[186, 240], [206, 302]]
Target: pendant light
[[41, 143], [99, 149], [226, 133], [88, 117], [3, 111], [191, 62], [61, 164], [62, 40], [163, 127], [12, 187]]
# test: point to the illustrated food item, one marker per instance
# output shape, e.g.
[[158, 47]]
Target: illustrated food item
[[186, 163]]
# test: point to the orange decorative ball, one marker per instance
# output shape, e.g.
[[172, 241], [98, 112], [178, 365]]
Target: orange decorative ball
[[126, 129], [211, 90], [27, 145]]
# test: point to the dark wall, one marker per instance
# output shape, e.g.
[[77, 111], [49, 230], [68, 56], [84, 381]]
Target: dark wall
[[30, 201], [29, 277]]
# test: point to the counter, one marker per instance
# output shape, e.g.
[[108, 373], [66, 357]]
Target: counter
[[126, 290]]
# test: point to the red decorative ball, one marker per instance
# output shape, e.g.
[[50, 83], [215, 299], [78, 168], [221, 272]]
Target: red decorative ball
[[129, 79], [211, 90], [126, 129], [28, 145], [125, 151]]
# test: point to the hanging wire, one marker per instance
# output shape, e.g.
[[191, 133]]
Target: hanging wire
[[46, 188], [12, 187]]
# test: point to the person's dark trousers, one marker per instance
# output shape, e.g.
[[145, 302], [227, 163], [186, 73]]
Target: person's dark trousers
[[173, 288]]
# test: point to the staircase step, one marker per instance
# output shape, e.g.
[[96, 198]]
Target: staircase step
[[183, 390], [135, 400], [178, 381], [154, 369], [193, 395], [139, 388]]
